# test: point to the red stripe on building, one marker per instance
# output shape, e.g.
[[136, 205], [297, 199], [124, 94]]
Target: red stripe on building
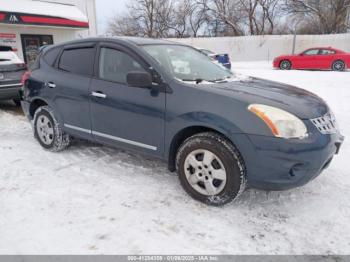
[[54, 21], [5, 35], [2, 17]]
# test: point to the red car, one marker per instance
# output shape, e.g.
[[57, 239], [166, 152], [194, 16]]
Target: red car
[[325, 58]]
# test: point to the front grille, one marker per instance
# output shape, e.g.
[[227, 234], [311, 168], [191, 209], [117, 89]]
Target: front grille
[[326, 124]]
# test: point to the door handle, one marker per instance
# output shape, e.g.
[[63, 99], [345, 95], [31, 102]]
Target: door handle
[[98, 94], [51, 85]]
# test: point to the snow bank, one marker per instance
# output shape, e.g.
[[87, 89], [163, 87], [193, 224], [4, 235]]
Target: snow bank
[[93, 199]]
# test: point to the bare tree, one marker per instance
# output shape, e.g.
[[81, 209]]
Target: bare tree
[[198, 16], [270, 9], [248, 10], [184, 18], [180, 20], [123, 25], [259, 16], [322, 16], [164, 17], [227, 12], [144, 12], [148, 18]]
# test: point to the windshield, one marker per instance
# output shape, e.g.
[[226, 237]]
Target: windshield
[[187, 64]]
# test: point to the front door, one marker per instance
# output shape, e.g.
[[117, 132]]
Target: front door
[[309, 59], [121, 115], [31, 45]]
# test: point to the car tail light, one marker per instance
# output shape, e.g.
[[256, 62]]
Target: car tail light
[[25, 77], [21, 66]]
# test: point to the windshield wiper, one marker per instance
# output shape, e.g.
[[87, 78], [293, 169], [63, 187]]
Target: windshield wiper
[[198, 80]]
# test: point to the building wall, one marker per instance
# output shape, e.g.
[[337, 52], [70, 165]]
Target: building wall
[[88, 8], [59, 34], [253, 48]]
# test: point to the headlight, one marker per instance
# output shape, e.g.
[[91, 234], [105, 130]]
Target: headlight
[[281, 123]]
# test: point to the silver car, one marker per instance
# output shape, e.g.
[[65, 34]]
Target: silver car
[[11, 71]]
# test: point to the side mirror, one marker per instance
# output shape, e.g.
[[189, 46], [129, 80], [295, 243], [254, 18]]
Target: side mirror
[[139, 79], [302, 54]]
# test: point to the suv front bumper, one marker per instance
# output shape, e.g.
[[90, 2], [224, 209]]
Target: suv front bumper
[[281, 164]]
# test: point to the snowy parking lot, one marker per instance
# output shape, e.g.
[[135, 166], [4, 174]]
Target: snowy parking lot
[[92, 199]]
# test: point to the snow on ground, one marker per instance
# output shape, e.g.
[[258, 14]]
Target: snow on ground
[[93, 199]]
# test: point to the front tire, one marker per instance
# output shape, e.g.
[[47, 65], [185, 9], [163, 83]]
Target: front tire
[[211, 169], [339, 66], [285, 65], [48, 131]]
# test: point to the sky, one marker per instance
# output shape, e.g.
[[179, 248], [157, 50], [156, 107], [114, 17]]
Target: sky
[[106, 9]]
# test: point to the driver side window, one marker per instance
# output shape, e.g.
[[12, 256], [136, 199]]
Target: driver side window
[[114, 65], [311, 52]]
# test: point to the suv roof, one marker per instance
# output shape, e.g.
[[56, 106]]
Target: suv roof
[[131, 40], [144, 41]]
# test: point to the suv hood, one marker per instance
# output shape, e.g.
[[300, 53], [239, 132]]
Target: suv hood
[[299, 102]]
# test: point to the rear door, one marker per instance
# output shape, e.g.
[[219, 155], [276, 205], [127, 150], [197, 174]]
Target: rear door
[[71, 81], [325, 58], [121, 115]]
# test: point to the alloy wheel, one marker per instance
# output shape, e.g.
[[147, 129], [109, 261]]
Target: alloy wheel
[[285, 65], [45, 130], [339, 66], [205, 172]]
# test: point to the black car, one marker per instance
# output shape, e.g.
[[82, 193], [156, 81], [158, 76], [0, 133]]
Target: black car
[[11, 71], [220, 132]]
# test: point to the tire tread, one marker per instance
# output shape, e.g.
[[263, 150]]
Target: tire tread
[[226, 145], [61, 140]]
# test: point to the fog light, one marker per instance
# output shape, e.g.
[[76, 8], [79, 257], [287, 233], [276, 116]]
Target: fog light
[[294, 171]]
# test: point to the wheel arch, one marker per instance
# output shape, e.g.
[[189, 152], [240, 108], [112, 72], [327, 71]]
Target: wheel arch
[[35, 104], [339, 59], [182, 135], [285, 59]]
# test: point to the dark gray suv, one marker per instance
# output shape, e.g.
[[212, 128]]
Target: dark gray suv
[[220, 132]]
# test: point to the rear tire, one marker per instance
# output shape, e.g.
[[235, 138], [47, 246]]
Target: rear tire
[[285, 65], [339, 66], [211, 169], [48, 130]]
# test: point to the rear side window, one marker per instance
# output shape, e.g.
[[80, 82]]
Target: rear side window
[[327, 52], [115, 65], [78, 61], [51, 56]]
